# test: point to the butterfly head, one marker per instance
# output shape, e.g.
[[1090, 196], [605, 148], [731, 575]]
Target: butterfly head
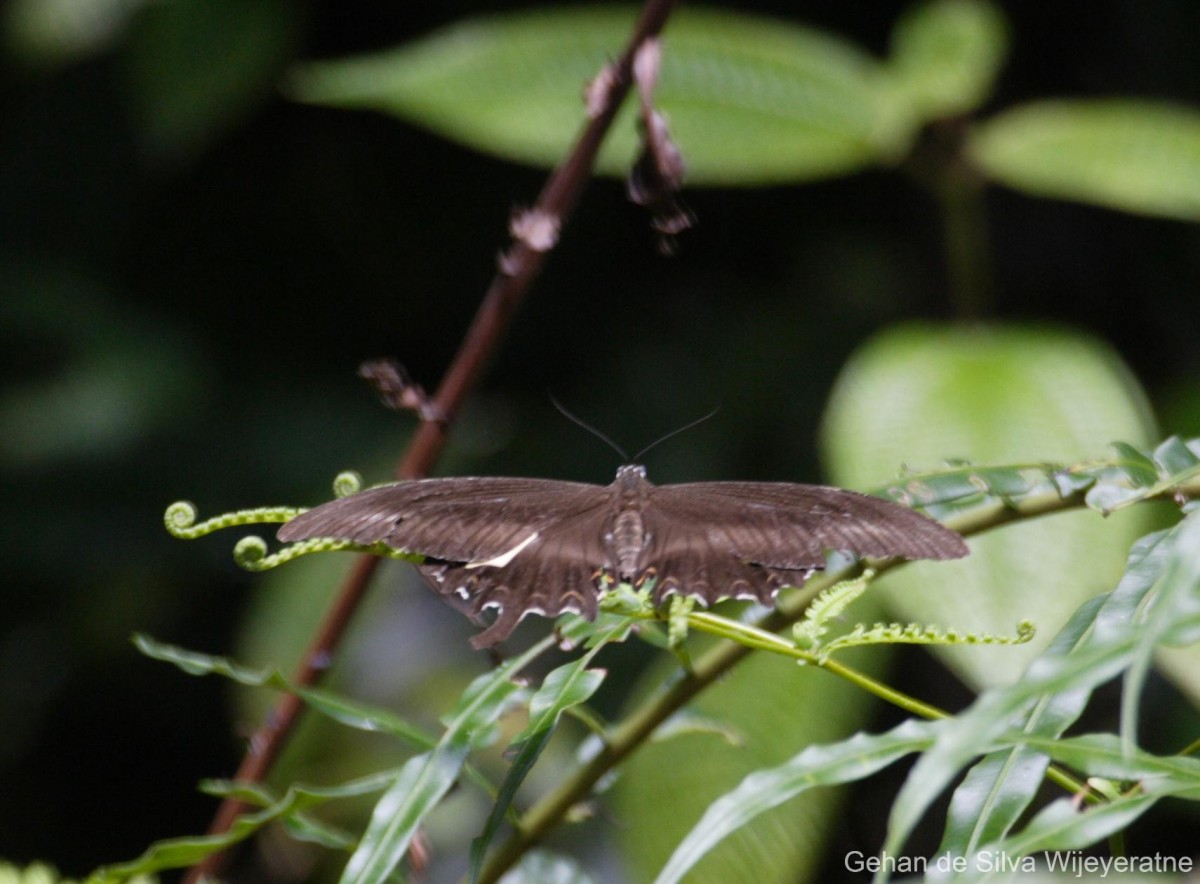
[[631, 474]]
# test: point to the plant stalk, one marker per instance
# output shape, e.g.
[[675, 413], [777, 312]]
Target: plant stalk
[[516, 272]]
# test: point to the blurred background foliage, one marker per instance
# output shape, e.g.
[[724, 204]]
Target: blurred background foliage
[[193, 263]]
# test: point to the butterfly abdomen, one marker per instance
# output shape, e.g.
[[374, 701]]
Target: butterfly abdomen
[[627, 541]]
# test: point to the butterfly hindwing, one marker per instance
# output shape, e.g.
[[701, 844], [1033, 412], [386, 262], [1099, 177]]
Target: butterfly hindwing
[[690, 559], [557, 571]]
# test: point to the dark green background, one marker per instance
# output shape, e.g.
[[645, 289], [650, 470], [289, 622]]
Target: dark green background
[[185, 296]]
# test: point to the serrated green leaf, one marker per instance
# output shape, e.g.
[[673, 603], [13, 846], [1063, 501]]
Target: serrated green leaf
[[946, 55], [1108, 756], [991, 798], [949, 487], [304, 827], [415, 791], [1107, 497], [770, 705], [1135, 156], [340, 709], [919, 394], [1138, 468], [176, 853], [1130, 477], [1098, 643], [566, 686], [853, 759], [688, 721], [257, 793], [1010, 484], [569, 685], [749, 100], [1174, 457], [573, 630], [1062, 825], [1171, 615], [998, 789]]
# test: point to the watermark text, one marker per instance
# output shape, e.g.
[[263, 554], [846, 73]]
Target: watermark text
[[1070, 862]]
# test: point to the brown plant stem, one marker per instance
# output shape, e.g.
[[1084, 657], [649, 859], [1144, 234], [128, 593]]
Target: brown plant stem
[[517, 269]]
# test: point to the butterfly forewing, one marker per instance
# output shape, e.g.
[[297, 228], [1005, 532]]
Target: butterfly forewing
[[790, 526], [465, 520]]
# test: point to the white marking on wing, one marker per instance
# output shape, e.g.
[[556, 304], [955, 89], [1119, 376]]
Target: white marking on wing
[[504, 558]]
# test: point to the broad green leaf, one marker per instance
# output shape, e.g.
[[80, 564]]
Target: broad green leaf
[[1135, 156], [853, 759], [194, 67], [749, 100], [44, 33], [120, 378], [1107, 497], [424, 780], [574, 630], [946, 55], [919, 394], [1182, 666], [774, 709]]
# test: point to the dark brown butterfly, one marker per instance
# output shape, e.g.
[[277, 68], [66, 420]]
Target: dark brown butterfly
[[537, 546]]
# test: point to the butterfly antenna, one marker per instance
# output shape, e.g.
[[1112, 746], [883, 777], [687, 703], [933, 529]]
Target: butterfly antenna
[[579, 422], [638, 457]]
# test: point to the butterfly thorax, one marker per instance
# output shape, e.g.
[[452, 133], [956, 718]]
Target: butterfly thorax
[[626, 539]]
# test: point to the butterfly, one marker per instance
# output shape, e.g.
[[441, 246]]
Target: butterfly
[[539, 546]]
